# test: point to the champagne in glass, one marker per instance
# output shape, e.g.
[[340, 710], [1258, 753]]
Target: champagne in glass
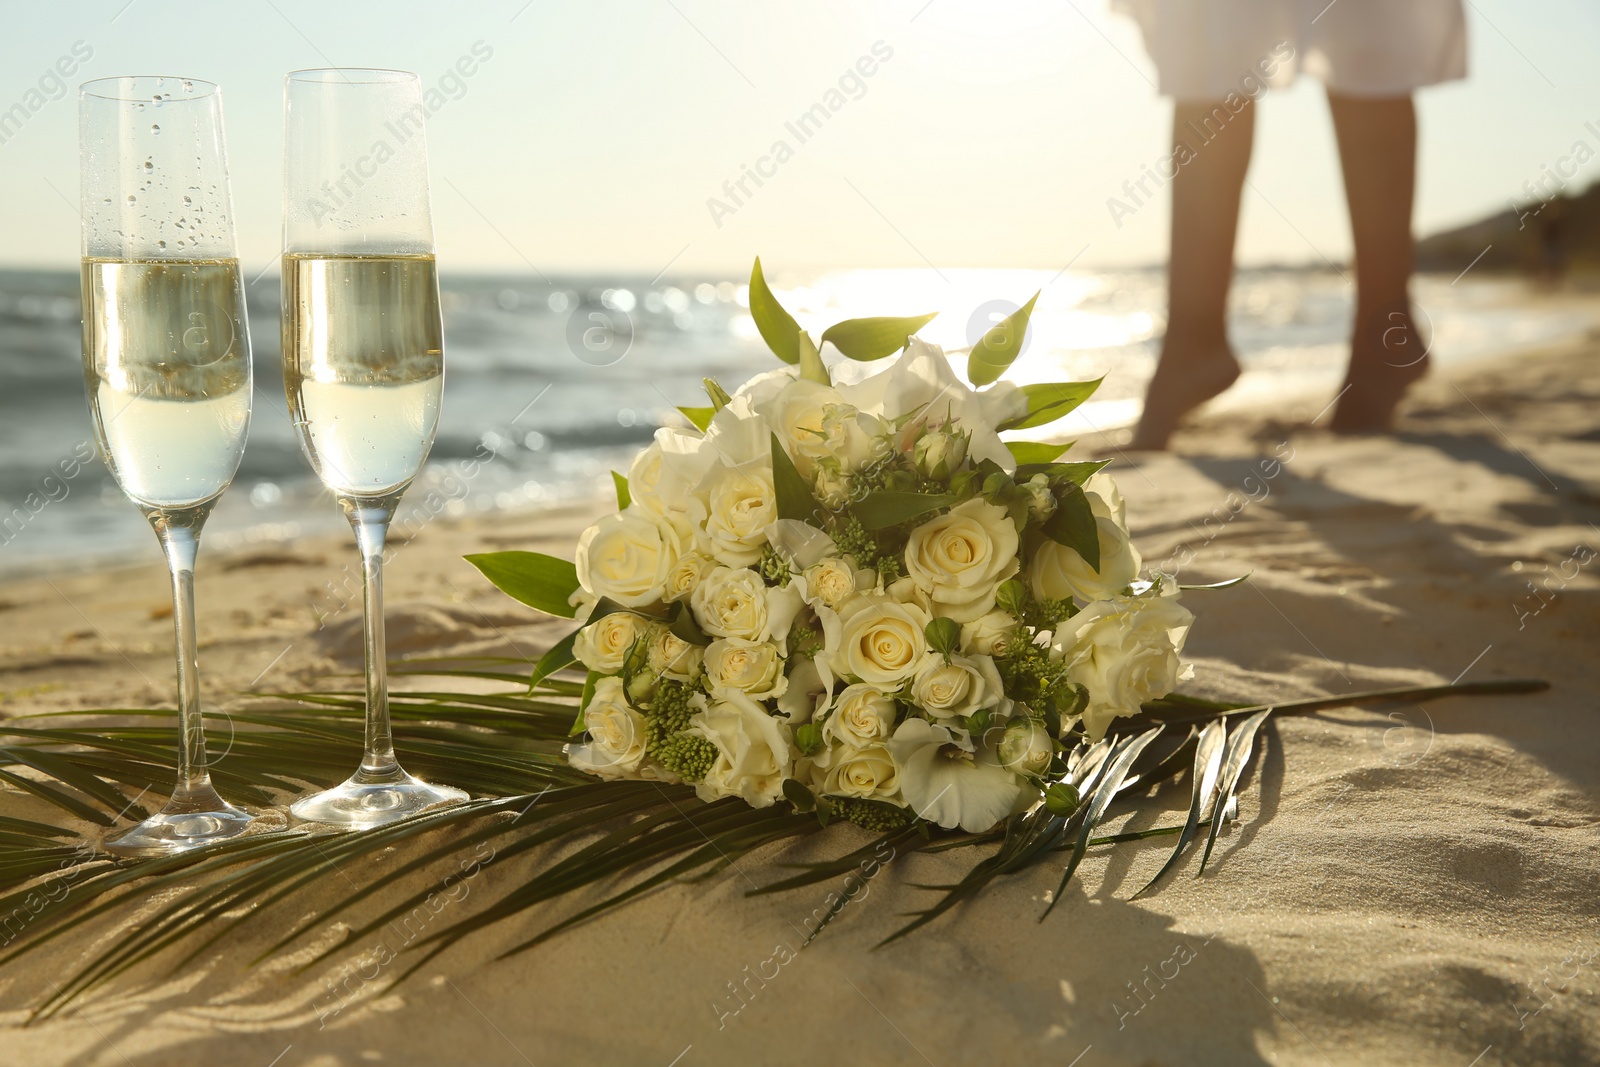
[[166, 358], [363, 356]]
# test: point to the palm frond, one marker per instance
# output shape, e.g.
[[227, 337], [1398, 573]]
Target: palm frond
[[620, 840]]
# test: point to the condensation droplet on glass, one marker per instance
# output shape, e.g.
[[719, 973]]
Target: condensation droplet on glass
[[149, 166], [154, 128], [188, 86], [161, 245], [132, 199], [187, 201]]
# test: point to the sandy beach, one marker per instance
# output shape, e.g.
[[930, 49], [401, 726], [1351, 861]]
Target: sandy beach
[[1408, 885]]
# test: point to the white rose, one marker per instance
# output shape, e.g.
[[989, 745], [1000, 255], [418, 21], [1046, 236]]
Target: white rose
[[689, 571], [959, 687], [627, 557], [989, 635], [753, 753], [833, 582], [618, 734], [882, 642], [659, 488], [735, 602], [740, 504], [1057, 572], [1025, 748], [959, 558], [603, 645], [868, 773], [832, 488], [862, 714], [1124, 651], [751, 667], [940, 453], [672, 657]]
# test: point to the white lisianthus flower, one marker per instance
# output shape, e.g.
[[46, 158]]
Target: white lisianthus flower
[[1124, 651], [603, 645], [754, 668], [1057, 572], [834, 582], [922, 382], [944, 778], [882, 642], [989, 635], [627, 557], [867, 773], [960, 687], [805, 695], [735, 602], [958, 559], [753, 751], [862, 714], [672, 657], [740, 503], [690, 570], [618, 734], [1025, 748]]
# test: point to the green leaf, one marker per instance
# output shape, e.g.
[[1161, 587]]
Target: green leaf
[[812, 369], [1062, 798], [623, 500], [1029, 452], [699, 418], [1049, 401], [943, 634], [808, 738], [559, 657], [589, 683], [1073, 524], [538, 580], [685, 628], [798, 795], [873, 338], [794, 497], [777, 326], [999, 346], [886, 508], [1076, 472], [719, 396]]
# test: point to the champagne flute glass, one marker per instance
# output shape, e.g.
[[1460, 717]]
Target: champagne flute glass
[[166, 357], [363, 355]]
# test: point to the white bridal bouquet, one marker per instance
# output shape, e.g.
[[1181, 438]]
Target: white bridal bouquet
[[859, 598]]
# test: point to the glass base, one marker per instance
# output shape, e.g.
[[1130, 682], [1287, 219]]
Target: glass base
[[190, 820], [369, 799]]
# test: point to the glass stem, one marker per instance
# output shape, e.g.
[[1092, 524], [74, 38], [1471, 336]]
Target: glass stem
[[371, 525], [179, 532]]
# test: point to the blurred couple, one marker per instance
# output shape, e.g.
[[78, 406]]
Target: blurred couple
[[1214, 57]]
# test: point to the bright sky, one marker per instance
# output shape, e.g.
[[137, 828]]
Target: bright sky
[[593, 136]]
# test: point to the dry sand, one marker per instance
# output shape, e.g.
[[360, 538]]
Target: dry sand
[[1409, 885]]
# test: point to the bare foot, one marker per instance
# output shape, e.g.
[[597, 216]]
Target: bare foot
[[1184, 380], [1385, 360]]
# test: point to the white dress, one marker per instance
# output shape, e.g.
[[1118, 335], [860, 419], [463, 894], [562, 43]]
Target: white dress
[[1206, 49]]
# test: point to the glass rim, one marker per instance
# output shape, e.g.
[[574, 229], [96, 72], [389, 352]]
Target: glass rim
[[124, 92], [350, 76]]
